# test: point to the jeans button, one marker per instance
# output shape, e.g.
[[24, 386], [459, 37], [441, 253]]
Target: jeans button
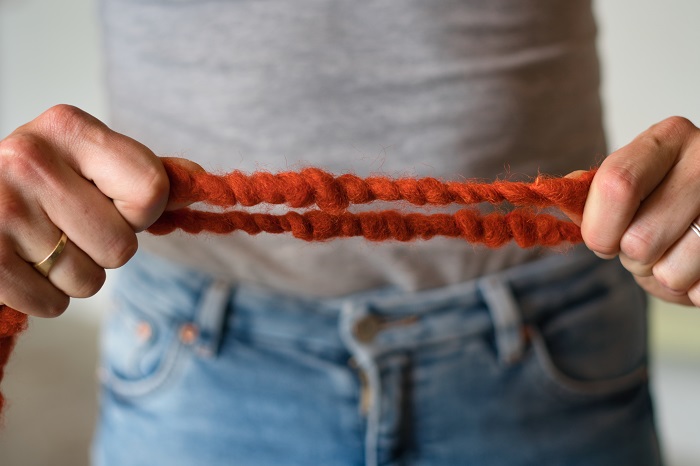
[[367, 328], [188, 333], [144, 331]]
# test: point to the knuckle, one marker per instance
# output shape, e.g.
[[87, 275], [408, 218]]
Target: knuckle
[[636, 268], [620, 184], [91, 283], [12, 208], [153, 187], [638, 244], [156, 188], [668, 131], [23, 157], [17, 144], [56, 307], [666, 277], [674, 126], [694, 294], [73, 126], [64, 119], [27, 163], [119, 251], [672, 283]]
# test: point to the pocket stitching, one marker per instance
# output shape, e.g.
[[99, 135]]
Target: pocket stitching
[[577, 388], [168, 360]]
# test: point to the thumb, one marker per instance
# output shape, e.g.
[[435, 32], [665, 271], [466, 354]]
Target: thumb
[[576, 217], [181, 173]]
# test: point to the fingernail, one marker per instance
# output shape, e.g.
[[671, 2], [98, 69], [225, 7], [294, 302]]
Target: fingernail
[[605, 256], [575, 174]]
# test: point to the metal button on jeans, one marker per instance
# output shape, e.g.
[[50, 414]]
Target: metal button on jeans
[[188, 333], [367, 328]]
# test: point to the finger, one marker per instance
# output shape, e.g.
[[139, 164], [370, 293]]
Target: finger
[[677, 270], [625, 179], [24, 289], [653, 287], [33, 174], [121, 168], [694, 295], [89, 218], [664, 216], [74, 272]]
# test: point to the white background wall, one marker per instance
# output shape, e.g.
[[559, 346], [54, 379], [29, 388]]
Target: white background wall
[[50, 53]]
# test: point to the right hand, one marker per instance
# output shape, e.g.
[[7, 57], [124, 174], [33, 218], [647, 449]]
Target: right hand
[[67, 172]]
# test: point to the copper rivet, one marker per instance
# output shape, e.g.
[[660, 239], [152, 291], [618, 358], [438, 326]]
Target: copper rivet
[[188, 333], [367, 328], [144, 331]]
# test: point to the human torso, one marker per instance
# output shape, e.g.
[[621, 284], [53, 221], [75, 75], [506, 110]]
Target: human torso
[[448, 88]]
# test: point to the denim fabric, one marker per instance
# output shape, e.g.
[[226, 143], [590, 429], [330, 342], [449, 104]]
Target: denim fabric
[[543, 364]]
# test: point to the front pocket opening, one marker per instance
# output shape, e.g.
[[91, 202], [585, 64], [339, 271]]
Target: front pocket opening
[[589, 388]]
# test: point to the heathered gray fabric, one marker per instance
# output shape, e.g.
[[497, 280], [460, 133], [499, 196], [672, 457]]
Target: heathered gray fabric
[[448, 88]]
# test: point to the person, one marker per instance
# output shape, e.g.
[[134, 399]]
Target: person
[[262, 350]]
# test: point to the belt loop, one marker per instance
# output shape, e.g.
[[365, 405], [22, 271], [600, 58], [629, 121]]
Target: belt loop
[[506, 316], [211, 318], [363, 354]]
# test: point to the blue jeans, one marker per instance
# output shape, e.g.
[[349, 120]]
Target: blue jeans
[[542, 364]]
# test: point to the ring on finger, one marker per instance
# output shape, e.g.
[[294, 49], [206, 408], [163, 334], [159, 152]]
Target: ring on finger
[[44, 266], [695, 227]]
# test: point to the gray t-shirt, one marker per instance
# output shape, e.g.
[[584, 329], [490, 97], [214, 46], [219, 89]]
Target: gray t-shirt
[[448, 88]]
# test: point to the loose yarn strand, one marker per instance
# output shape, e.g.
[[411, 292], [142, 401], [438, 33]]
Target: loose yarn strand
[[333, 195]]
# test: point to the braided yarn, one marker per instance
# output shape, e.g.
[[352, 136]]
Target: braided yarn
[[333, 195], [336, 193]]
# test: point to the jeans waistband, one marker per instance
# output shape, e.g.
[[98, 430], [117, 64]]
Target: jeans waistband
[[371, 330], [503, 300]]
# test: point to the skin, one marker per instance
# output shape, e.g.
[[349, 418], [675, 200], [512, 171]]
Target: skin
[[640, 206], [67, 171]]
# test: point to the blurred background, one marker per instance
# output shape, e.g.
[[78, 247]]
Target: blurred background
[[50, 53]]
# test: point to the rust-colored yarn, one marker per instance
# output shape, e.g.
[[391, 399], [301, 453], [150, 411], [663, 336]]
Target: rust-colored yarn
[[335, 193], [493, 230], [332, 195], [12, 323]]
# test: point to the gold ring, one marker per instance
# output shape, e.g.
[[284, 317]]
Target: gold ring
[[44, 266]]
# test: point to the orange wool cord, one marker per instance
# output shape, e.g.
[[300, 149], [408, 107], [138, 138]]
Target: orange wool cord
[[335, 193], [332, 195], [493, 230]]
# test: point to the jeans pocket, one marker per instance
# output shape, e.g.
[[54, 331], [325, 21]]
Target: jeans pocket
[[596, 348], [140, 349]]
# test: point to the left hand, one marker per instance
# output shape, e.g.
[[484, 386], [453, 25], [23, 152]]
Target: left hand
[[641, 205]]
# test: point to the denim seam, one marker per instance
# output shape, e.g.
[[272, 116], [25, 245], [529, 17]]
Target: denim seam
[[507, 320], [210, 317]]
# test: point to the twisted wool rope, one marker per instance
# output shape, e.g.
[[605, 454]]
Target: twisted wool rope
[[332, 195]]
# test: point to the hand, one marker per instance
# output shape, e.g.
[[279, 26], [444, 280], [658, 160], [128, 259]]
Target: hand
[[67, 172], [641, 204]]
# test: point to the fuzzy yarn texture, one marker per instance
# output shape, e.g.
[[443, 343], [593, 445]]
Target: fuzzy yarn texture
[[332, 195]]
